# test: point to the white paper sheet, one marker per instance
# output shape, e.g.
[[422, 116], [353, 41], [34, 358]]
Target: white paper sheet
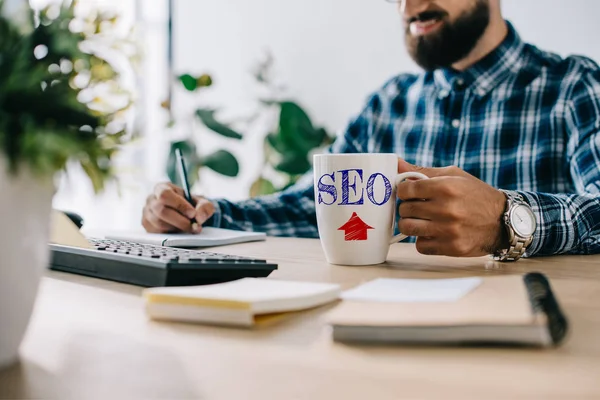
[[412, 290]]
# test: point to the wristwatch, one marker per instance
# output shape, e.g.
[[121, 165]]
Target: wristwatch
[[520, 224]]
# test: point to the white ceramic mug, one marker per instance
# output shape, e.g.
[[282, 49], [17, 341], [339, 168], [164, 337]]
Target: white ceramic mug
[[355, 198]]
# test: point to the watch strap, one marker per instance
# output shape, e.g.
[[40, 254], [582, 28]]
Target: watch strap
[[517, 244], [515, 250]]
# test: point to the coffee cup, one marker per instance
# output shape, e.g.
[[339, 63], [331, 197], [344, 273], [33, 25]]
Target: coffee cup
[[355, 199]]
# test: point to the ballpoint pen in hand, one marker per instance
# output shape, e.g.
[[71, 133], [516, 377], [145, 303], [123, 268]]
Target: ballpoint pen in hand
[[184, 183]]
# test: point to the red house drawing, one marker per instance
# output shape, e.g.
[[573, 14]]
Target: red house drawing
[[355, 229]]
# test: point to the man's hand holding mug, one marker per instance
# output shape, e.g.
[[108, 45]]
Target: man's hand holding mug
[[451, 212]]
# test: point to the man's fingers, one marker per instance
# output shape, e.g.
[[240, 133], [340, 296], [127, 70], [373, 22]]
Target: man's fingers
[[416, 190], [172, 197], [165, 186], [428, 189], [417, 209], [428, 246], [415, 227], [204, 210], [153, 224], [404, 166], [171, 217]]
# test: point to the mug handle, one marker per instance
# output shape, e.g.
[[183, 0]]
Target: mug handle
[[399, 179]]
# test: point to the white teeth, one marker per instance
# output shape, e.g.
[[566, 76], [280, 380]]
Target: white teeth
[[428, 23], [417, 27]]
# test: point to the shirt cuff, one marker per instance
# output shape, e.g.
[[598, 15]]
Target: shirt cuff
[[215, 220]]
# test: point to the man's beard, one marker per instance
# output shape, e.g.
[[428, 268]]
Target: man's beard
[[453, 41]]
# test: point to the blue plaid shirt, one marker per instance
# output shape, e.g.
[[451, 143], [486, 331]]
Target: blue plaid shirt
[[521, 119]]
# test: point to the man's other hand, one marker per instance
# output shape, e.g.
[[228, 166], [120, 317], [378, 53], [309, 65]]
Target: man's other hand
[[167, 210], [452, 214]]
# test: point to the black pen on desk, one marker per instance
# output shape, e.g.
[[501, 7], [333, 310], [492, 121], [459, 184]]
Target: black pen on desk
[[184, 183]]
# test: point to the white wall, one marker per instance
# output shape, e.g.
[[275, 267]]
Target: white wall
[[331, 54], [563, 27]]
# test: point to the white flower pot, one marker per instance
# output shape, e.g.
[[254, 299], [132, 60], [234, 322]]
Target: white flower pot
[[25, 204]]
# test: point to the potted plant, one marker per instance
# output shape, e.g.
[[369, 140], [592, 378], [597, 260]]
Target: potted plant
[[53, 110]]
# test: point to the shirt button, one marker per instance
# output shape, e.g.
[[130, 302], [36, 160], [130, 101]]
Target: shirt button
[[456, 123], [443, 94], [460, 82]]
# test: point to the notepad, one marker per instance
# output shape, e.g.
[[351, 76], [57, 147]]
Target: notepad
[[207, 238], [245, 302], [502, 309], [64, 232], [386, 290]]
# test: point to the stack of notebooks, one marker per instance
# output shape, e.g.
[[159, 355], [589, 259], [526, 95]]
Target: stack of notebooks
[[505, 309], [245, 302]]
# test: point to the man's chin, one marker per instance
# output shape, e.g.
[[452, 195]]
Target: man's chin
[[428, 59]]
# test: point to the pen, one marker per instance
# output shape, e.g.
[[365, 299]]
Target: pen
[[184, 182]]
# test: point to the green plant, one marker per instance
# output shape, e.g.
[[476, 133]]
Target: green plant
[[51, 74], [220, 161], [286, 149], [287, 146]]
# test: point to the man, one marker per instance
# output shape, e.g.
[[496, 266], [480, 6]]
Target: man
[[489, 112]]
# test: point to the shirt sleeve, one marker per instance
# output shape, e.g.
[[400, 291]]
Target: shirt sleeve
[[570, 223], [292, 211]]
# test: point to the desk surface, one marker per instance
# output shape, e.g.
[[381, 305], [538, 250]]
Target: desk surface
[[91, 338]]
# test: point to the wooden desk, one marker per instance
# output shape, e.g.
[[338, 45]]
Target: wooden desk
[[91, 338]]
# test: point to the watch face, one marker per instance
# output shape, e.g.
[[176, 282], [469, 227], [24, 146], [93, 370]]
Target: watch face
[[523, 221]]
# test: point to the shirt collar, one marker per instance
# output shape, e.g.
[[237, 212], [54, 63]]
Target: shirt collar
[[488, 72]]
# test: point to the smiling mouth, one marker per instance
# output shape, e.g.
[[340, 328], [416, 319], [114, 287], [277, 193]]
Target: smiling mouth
[[426, 23]]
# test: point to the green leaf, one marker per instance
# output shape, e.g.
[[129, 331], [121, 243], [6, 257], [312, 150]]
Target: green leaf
[[293, 164], [296, 131], [189, 82], [293, 118], [262, 187], [222, 162], [315, 138], [204, 80], [275, 143], [207, 116], [192, 162], [192, 83]]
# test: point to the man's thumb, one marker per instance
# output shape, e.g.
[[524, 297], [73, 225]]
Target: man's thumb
[[404, 166], [431, 172]]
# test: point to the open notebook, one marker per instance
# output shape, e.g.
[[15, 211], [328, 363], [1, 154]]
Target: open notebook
[[208, 237], [244, 302], [503, 309]]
